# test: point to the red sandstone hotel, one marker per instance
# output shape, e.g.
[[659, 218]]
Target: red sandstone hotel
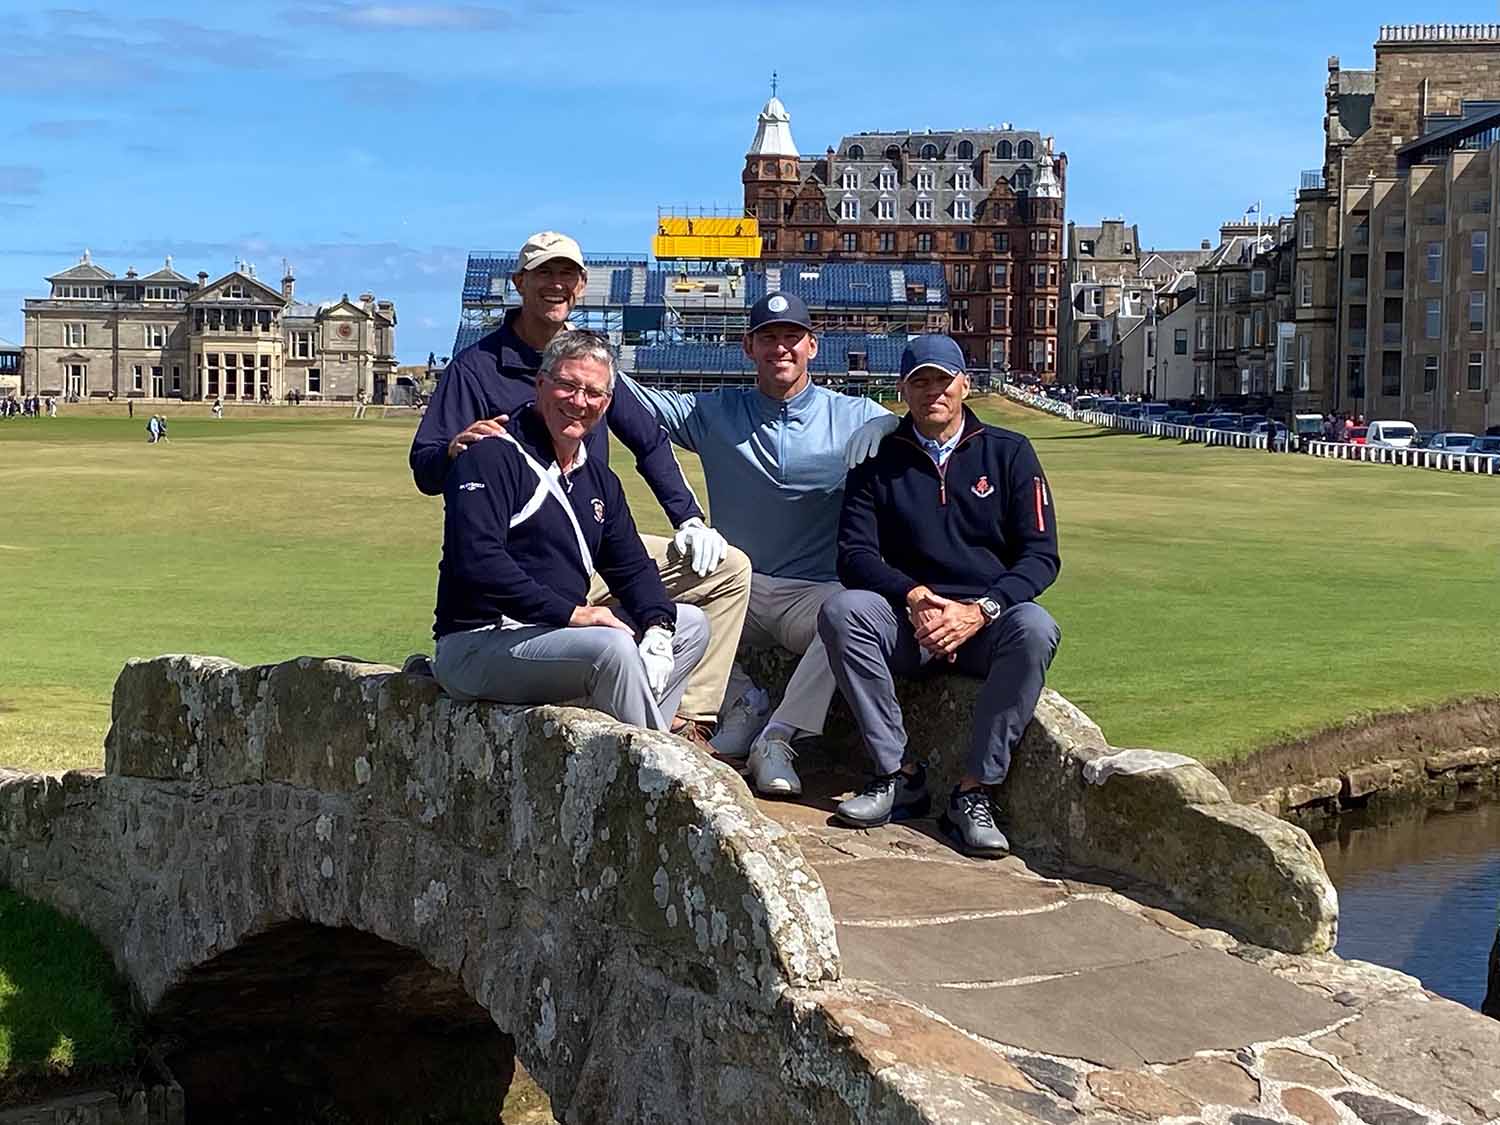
[[985, 203]]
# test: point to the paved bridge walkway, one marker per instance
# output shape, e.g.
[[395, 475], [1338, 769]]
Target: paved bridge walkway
[[1058, 995]]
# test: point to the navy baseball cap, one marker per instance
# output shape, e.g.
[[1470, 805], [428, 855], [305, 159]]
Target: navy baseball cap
[[933, 351], [779, 308]]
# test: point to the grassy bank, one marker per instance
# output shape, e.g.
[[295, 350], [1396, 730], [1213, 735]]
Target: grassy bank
[[63, 1012], [1211, 600]]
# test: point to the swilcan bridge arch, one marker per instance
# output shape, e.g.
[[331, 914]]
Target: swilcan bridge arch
[[337, 894]]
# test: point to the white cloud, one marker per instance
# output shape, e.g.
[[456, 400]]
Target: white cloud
[[406, 17]]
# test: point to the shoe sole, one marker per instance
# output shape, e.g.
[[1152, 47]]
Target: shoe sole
[[955, 837], [914, 810], [777, 794]]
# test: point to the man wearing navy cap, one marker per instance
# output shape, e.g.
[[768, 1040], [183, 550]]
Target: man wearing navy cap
[[775, 456], [946, 539]]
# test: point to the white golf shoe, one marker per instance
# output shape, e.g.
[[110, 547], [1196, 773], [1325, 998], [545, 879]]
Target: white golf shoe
[[770, 767]]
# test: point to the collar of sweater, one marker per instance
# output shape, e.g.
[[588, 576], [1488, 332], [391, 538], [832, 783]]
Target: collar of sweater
[[800, 403]]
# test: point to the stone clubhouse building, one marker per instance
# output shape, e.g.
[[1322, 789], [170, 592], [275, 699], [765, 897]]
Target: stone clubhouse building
[[164, 336]]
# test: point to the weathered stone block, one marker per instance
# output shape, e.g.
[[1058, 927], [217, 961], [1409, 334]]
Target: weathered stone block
[[1449, 760], [1324, 789], [1361, 781]]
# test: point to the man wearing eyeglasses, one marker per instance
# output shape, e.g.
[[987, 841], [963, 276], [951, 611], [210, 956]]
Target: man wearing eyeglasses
[[530, 519], [493, 379]]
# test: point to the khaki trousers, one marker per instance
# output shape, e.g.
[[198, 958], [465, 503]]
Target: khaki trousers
[[723, 596], [784, 613]]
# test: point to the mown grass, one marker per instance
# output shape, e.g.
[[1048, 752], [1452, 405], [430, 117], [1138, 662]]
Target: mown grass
[[63, 1011], [1211, 600]]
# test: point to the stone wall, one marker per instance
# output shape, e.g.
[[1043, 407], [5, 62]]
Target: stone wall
[[656, 948], [1161, 819], [160, 1105]]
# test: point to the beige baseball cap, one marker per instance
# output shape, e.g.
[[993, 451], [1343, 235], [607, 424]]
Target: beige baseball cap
[[546, 245]]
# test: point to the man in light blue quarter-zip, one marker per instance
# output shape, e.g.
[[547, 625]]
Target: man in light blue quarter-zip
[[775, 456]]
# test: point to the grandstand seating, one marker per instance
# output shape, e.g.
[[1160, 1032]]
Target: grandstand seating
[[882, 356], [470, 334], [619, 287]]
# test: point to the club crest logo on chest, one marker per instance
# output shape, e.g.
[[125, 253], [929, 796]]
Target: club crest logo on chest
[[598, 506], [982, 488]]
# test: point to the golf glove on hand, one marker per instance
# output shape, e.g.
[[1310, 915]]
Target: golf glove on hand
[[702, 546], [656, 655], [866, 440]]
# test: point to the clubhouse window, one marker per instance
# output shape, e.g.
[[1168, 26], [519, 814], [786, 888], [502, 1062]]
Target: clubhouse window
[[247, 385], [302, 345], [137, 377], [211, 374], [1476, 371], [231, 374], [1429, 374], [265, 376], [75, 335], [314, 380], [176, 378]]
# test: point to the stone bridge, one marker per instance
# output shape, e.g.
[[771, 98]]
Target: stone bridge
[[335, 891]]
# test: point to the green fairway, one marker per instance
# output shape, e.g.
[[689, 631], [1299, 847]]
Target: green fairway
[[1211, 600]]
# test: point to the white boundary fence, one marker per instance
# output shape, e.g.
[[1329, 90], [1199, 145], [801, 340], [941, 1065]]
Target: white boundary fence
[[1481, 463]]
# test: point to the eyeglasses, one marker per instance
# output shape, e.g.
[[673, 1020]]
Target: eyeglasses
[[569, 389]]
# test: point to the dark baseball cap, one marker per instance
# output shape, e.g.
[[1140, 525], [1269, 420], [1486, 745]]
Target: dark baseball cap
[[935, 350], [779, 308]]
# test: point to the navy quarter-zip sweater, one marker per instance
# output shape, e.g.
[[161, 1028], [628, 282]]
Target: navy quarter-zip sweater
[[512, 555], [497, 375], [982, 526]]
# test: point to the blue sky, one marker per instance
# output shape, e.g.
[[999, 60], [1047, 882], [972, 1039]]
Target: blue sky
[[374, 144]]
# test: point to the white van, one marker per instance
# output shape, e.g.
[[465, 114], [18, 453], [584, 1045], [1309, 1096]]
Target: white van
[[1397, 435]]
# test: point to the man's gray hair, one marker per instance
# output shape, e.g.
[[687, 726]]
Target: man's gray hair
[[579, 344]]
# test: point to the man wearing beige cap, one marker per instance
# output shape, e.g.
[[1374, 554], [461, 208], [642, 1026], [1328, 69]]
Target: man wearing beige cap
[[494, 378]]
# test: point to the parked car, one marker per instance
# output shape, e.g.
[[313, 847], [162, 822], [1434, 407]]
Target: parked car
[[1248, 422], [1357, 434], [1223, 422], [1130, 410], [1488, 445], [1309, 427], [1156, 411], [1448, 442], [1492, 431], [1396, 435], [1201, 419], [1178, 417]]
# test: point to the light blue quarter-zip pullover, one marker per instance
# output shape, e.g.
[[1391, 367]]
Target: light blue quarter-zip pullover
[[775, 468]]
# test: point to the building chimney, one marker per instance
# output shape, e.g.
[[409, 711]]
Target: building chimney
[[202, 278], [366, 300], [288, 282]]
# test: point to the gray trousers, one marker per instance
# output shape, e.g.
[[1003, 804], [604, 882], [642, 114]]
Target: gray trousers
[[783, 613], [595, 666], [870, 644]]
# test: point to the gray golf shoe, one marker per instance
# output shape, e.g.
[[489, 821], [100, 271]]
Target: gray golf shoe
[[970, 823], [892, 796]]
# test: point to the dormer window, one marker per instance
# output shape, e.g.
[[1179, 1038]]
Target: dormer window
[[1086, 246], [849, 180], [963, 209], [929, 151], [1025, 150], [926, 180], [234, 291], [162, 293], [849, 209], [888, 179], [1003, 150], [78, 292], [856, 152], [965, 150], [963, 179]]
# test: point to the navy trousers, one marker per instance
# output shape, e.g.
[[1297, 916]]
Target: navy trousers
[[870, 643]]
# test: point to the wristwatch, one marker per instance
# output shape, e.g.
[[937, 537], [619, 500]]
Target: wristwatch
[[991, 609], [666, 623]]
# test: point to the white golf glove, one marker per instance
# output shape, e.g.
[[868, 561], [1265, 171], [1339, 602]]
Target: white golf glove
[[702, 546], [656, 655], [866, 440]]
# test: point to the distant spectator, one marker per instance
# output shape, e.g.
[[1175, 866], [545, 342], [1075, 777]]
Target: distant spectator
[[218, 407], [130, 407], [153, 430]]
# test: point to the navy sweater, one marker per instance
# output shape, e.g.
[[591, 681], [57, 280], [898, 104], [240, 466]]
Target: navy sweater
[[531, 570], [983, 526], [497, 375]]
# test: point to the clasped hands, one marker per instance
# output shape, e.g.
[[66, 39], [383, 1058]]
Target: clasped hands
[[942, 625]]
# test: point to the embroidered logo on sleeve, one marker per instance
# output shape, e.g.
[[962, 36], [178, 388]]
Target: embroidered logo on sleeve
[[598, 510], [471, 486], [982, 487]]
